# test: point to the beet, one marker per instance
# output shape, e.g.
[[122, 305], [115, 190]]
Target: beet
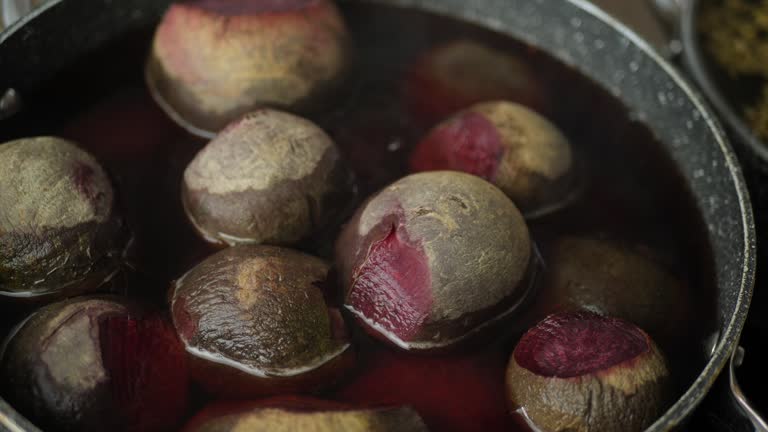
[[60, 233], [433, 259], [95, 364], [254, 322], [303, 414], [509, 145], [270, 177], [460, 73], [614, 279], [214, 60], [580, 371]]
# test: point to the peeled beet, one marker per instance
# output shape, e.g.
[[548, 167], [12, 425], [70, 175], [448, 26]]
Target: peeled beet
[[288, 414], [60, 234], [214, 60], [460, 73], [254, 322], [613, 279], [270, 177], [434, 258], [509, 145], [580, 371], [96, 364]]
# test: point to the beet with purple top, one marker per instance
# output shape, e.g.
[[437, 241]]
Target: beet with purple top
[[579, 371]]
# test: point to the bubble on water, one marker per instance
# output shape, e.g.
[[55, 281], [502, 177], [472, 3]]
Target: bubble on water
[[576, 22], [395, 145], [599, 44]]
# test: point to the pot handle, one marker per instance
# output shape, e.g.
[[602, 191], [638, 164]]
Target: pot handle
[[670, 13], [740, 401]]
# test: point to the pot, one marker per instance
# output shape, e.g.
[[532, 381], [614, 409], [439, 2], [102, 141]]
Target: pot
[[681, 16], [36, 48]]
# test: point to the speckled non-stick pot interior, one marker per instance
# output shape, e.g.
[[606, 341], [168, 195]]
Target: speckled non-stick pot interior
[[35, 49]]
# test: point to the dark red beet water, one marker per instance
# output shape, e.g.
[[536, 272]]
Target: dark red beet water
[[632, 192], [132, 351]]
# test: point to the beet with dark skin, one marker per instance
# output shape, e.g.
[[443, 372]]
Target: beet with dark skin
[[288, 414], [254, 322], [460, 73], [509, 145], [580, 371], [613, 279], [270, 177], [421, 266], [96, 364], [214, 60], [60, 233]]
